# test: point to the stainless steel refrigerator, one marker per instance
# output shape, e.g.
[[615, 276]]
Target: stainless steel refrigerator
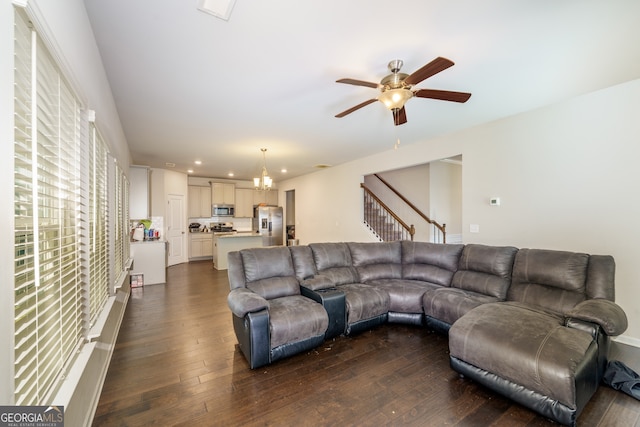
[[269, 224]]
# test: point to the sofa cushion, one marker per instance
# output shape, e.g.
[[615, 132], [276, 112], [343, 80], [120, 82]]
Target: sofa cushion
[[262, 263], [364, 301], [340, 275], [601, 277], [334, 261], [330, 255], [485, 270], [269, 272], [405, 296], [450, 304], [295, 318], [303, 263], [555, 280], [275, 287], [377, 260], [430, 262], [526, 346]]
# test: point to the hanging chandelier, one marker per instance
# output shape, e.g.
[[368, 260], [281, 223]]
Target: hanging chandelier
[[264, 182]]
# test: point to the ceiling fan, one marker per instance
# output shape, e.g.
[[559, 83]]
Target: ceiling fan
[[397, 88]]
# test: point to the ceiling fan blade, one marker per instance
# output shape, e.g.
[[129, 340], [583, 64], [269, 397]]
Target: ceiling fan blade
[[358, 83], [432, 68], [357, 107], [444, 95], [399, 116]]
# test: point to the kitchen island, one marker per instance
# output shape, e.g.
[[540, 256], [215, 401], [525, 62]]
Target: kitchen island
[[225, 243]]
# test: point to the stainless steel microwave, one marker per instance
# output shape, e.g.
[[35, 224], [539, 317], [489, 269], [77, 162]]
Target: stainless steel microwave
[[222, 210]]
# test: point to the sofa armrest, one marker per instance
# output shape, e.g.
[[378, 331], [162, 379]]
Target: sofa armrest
[[605, 313], [252, 332], [317, 282], [242, 301]]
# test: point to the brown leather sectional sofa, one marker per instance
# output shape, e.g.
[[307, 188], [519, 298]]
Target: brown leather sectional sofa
[[531, 324]]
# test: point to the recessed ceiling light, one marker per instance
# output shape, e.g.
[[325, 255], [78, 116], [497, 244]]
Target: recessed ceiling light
[[283, 170], [230, 174], [189, 170], [198, 162], [170, 165]]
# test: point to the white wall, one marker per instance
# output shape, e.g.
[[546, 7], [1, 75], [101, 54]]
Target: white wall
[[446, 196], [566, 174]]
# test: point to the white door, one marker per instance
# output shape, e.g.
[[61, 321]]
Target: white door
[[176, 230]]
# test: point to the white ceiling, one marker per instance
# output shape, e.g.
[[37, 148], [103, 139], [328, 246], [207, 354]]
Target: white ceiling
[[189, 86]]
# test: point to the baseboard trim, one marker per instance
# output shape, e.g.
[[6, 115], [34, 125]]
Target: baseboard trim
[[623, 339], [80, 392]]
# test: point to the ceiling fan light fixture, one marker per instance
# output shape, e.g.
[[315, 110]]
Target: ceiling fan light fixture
[[397, 88], [395, 98]]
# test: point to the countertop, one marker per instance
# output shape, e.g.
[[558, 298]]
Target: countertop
[[239, 234], [137, 242]]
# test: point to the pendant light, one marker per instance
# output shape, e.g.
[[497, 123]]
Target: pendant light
[[264, 182]]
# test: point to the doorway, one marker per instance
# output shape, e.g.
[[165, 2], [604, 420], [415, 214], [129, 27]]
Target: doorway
[[176, 230], [290, 217]]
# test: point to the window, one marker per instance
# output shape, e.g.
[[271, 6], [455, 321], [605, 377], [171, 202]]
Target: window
[[98, 219], [48, 309], [70, 225]]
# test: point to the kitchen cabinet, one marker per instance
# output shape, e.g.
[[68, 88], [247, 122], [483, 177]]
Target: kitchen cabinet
[[199, 201], [223, 194], [200, 245], [270, 197], [244, 203], [139, 192]]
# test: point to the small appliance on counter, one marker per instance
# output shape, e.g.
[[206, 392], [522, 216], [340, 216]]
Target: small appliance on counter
[[222, 227], [194, 227]]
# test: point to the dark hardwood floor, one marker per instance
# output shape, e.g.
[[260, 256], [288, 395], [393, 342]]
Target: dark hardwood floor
[[176, 363]]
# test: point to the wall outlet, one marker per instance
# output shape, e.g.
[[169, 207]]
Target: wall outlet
[[474, 228]]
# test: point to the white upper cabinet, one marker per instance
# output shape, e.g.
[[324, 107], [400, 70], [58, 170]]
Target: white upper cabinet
[[244, 203], [139, 192], [199, 201], [223, 194], [269, 198]]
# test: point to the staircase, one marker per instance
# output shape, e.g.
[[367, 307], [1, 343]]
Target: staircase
[[382, 221], [387, 226]]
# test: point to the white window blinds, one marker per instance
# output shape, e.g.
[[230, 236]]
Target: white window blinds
[[56, 298], [48, 308], [98, 219]]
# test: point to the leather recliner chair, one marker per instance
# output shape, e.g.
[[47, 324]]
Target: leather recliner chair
[[546, 347], [271, 319]]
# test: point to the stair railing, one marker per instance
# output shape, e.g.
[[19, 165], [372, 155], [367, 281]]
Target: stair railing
[[437, 226], [382, 221]]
